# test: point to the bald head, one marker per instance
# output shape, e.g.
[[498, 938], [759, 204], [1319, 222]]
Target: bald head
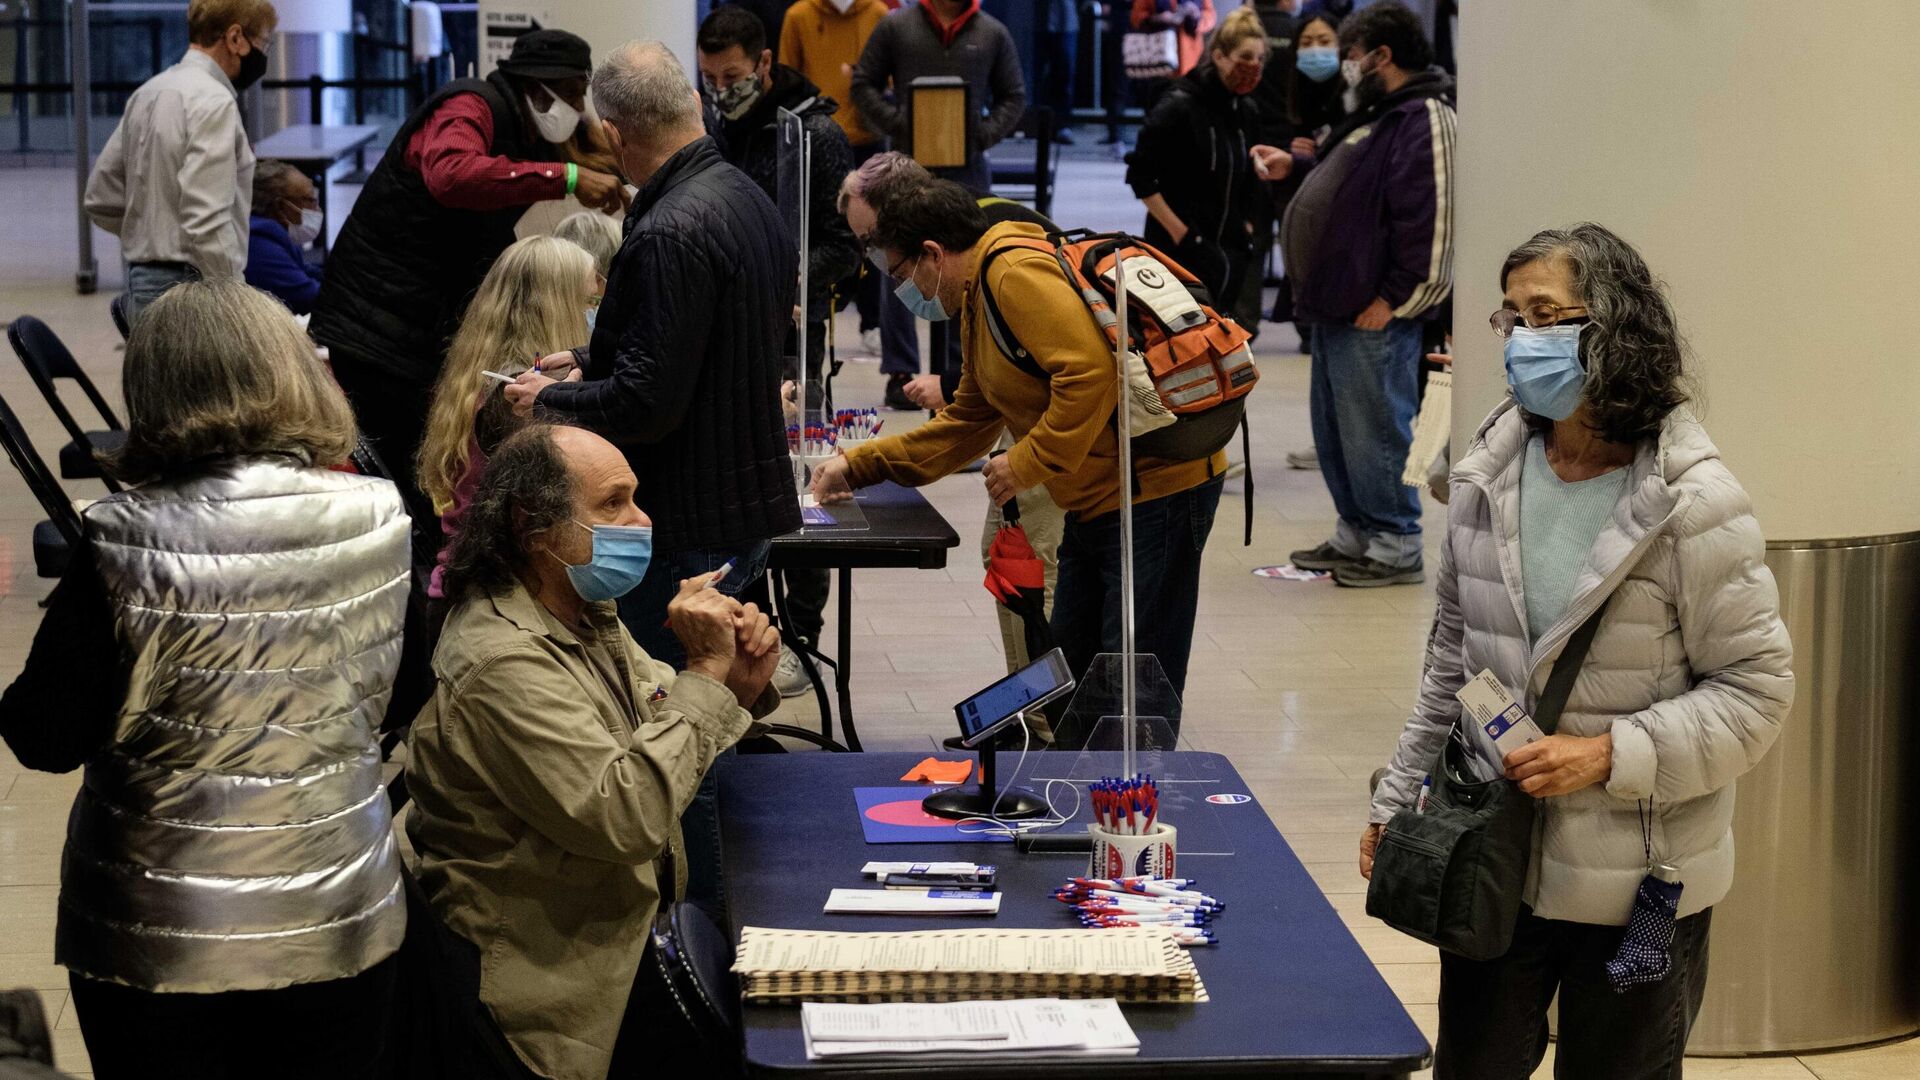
[[597, 472]]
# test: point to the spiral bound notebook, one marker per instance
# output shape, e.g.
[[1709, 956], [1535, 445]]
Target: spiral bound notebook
[[1132, 965]]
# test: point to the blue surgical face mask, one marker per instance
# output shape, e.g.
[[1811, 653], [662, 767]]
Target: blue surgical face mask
[[593, 314], [620, 557], [1543, 367], [1318, 62], [923, 306]]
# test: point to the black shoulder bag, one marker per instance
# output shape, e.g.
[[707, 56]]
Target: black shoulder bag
[[1451, 873]]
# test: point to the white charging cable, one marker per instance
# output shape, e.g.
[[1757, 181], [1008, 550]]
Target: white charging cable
[[998, 827]]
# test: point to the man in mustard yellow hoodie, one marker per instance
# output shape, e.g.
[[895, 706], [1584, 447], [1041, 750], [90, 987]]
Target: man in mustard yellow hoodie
[[822, 39], [931, 241]]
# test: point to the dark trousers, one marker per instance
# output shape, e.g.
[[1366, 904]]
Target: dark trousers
[[1053, 59], [808, 589], [1169, 535], [391, 410], [1114, 84], [644, 610], [1493, 1014], [321, 1030]]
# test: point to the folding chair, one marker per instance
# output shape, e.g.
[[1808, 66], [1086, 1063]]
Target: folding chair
[[47, 358], [57, 538]]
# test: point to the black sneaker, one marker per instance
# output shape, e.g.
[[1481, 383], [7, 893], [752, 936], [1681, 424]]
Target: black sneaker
[[897, 393], [1372, 573], [1324, 557]]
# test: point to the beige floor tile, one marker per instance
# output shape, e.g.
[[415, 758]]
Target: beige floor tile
[[1385, 945], [35, 971], [70, 1053], [1754, 1068], [57, 788], [1413, 983], [1894, 1061]]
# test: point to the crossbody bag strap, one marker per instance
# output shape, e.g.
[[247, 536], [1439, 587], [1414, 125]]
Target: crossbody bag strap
[[1553, 699]]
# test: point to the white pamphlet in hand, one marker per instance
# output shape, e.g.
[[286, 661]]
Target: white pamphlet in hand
[[1497, 714]]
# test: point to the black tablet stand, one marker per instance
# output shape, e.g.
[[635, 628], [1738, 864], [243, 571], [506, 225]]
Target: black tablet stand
[[982, 801]]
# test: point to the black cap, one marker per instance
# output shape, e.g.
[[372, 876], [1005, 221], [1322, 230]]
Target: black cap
[[549, 54]]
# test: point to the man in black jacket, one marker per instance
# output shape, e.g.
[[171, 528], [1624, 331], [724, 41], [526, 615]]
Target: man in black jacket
[[683, 371], [435, 214], [746, 90]]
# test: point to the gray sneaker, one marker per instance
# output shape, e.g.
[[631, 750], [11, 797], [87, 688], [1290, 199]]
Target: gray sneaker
[[1324, 557], [1372, 573], [789, 677], [1304, 459]]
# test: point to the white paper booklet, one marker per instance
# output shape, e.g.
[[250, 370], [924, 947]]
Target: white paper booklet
[[973, 1028], [912, 902]]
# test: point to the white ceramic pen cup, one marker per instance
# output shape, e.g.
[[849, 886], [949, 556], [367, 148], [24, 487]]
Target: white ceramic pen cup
[[1118, 855]]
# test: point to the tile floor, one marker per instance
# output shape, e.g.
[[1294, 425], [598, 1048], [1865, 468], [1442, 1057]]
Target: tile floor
[[1304, 686]]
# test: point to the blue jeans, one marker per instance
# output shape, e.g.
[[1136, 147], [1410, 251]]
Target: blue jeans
[[1366, 390], [644, 611], [147, 281], [1169, 535]]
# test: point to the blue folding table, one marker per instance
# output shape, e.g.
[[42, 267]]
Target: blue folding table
[[1291, 991]]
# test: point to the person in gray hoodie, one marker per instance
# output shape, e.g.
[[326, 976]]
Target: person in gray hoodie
[[1593, 484]]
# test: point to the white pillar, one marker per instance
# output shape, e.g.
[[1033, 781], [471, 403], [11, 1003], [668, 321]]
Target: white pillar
[[608, 24]]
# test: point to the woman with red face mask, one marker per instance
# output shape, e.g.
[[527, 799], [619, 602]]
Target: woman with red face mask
[[1192, 167]]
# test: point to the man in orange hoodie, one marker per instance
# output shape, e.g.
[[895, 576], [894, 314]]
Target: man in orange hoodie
[[821, 39]]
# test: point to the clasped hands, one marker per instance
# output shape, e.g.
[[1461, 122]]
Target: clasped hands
[[733, 644]]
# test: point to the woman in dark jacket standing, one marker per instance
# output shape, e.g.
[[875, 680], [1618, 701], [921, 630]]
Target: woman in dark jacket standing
[[1312, 103], [1192, 168]]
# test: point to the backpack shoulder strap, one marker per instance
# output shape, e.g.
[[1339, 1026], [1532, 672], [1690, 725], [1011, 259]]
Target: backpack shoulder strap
[[1553, 699], [1003, 336]]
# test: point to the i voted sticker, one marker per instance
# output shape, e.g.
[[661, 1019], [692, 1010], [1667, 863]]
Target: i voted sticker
[[1229, 800]]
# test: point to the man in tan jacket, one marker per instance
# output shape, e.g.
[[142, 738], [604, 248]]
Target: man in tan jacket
[[550, 770]]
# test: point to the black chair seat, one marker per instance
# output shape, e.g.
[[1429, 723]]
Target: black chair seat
[[77, 462], [51, 555]]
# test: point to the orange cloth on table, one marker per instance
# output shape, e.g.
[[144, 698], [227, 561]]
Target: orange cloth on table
[[934, 771]]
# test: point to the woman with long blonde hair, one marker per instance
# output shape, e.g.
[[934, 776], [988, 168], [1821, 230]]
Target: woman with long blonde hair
[[535, 301]]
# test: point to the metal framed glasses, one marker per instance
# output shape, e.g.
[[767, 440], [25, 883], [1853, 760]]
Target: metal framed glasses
[[1535, 316]]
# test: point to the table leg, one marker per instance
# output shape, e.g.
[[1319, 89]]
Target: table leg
[[777, 582], [326, 220], [843, 663]]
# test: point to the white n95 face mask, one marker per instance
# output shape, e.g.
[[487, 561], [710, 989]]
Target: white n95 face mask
[[841, 5], [308, 228], [558, 123]]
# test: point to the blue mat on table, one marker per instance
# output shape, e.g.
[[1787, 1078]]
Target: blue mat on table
[[892, 815]]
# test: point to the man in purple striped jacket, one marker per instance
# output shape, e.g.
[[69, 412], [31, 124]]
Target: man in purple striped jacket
[[1369, 245]]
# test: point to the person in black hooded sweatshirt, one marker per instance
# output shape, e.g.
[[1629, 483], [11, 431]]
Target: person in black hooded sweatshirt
[[1192, 167]]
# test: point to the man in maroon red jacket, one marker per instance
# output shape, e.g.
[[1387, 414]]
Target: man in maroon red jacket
[[438, 210]]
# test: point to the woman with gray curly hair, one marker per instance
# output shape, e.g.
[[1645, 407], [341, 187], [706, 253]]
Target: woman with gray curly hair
[[1592, 492]]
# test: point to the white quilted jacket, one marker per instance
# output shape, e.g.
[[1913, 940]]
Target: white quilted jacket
[[1690, 669]]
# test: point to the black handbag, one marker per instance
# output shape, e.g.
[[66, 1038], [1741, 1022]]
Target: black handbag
[[1451, 873]]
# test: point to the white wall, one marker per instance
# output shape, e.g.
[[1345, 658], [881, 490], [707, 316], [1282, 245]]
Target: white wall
[[608, 24], [1762, 155]]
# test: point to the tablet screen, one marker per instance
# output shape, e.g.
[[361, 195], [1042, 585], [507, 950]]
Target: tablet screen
[[1040, 681]]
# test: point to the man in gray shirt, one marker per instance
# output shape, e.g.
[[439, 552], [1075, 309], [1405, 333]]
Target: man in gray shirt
[[175, 181]]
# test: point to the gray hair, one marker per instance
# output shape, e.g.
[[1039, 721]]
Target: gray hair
[[593, 231], [644, 91], [270, 179], [878, 173], [1633, 352], [216, 369]]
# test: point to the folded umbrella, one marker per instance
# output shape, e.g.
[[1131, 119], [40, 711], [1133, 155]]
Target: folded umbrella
[[1017, 578]]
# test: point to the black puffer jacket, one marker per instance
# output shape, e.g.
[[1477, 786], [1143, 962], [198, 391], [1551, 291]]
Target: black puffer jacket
[[684, 367], [753, 143]]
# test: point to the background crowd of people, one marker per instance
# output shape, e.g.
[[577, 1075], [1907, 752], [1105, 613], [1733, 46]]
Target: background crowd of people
[[546, 566]]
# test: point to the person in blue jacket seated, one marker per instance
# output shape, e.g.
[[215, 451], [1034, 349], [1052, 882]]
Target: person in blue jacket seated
[[286, 218]]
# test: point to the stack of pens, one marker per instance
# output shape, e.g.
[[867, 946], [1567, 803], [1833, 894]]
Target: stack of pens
[[857, 424], [1127, 807], [1102, 903], [812, 441]]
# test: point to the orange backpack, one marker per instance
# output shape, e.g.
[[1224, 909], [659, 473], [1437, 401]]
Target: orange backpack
[[1200, 362]]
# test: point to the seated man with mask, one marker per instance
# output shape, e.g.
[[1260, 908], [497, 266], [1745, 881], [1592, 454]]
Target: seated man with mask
[[549, 772]]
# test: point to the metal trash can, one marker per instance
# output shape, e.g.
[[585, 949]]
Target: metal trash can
[[1818, 944]]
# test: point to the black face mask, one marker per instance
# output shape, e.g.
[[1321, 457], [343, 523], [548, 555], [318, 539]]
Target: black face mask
[[252, 66]]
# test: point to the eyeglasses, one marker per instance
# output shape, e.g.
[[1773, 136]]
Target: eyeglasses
[[1536, 317]]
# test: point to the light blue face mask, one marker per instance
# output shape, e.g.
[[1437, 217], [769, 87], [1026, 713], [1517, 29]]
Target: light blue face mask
[[923, 306], [1543, 367], [593, 314], [1318, 62], [620, 557]]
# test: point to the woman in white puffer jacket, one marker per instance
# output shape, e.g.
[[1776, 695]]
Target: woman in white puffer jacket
[[1595, 484]]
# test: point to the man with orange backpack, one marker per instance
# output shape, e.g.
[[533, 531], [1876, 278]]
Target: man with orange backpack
[[1039, 364]]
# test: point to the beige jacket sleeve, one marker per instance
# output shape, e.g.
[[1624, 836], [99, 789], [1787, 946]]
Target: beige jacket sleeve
[[552, 759]]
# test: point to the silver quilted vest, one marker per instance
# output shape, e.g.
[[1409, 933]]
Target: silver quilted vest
[[235, 835]]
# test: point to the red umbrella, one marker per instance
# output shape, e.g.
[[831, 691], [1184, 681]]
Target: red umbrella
[[1017, 578]]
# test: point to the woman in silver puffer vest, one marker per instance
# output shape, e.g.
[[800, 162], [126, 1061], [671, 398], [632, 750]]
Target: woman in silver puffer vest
[[220, 660], [1594, 485]]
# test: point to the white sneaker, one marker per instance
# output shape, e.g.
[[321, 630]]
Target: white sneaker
[[870, 341], [1304, 459], [789, 677]]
